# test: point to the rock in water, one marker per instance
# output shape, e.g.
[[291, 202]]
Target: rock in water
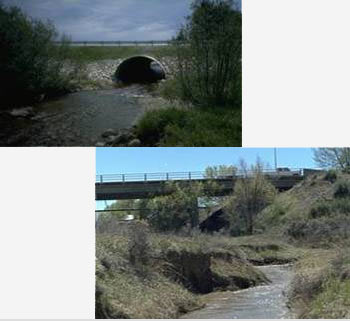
[[110, 132], [22, 112], [134, 143]]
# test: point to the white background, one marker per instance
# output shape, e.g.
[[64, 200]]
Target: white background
[[296, 73], [47, 237]]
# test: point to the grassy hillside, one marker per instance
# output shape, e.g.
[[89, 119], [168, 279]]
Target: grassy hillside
[[91, 53], [315, 215], [315, 211]]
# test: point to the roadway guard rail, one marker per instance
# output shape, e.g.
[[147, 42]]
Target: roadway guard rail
[[198, 175]]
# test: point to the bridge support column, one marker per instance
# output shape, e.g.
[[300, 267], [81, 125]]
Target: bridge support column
[[194, 213]]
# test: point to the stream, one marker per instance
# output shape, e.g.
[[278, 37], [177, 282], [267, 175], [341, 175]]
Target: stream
[[77, 119], [261, 302]]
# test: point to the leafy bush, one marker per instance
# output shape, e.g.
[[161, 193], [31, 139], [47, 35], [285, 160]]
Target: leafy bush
[[342, 189], [30, 63], [209, 54], [331, 176], [176, 211]]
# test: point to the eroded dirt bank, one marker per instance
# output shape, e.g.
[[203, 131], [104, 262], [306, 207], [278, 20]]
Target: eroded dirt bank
[[267, 301]]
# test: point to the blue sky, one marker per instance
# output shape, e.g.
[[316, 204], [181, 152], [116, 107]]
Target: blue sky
[[110, 19], [143, 160]]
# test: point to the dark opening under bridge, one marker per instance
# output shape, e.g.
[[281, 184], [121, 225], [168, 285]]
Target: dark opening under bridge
[[140, 69], [147, 185]]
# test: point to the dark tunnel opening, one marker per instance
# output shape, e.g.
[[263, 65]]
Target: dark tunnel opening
[[140, 69]]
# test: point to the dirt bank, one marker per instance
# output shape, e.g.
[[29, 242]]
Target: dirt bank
[[145, 275]]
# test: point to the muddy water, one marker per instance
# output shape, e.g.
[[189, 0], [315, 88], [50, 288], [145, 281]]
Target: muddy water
[[262, 302], [78, 119]]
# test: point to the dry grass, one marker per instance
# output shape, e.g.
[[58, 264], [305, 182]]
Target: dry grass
[[320, 288], [234, 274], [125, 289], [124, 294], [162, 289]]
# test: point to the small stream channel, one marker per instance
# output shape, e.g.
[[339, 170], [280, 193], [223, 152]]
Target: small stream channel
[[77, 119], [261, 302]]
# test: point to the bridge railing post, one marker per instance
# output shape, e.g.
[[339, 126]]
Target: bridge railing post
[[145, 177], [189, 175], [101, 179], [167, 176], [123, 178]]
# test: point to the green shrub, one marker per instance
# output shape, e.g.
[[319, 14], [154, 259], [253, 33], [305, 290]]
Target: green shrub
[[30, 63], [342, 189], [331, 176], [177, 210]]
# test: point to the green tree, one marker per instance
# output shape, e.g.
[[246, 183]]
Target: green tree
[[210, 199], [30, 62], [176, 210], [337, 158], [220, 171], [252, 192], [209, 63]]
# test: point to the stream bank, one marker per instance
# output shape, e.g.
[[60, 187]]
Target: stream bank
[[260, 302], [173, 275]]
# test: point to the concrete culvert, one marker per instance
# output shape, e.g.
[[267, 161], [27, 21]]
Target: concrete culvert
[[140, 69]]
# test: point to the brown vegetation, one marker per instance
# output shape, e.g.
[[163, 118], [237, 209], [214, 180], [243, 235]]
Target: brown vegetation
[[140, 274]]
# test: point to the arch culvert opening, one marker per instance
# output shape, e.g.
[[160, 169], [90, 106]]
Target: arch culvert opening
[[140, 69]]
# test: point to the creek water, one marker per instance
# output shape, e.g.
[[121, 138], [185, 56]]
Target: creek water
[[261, 302], [77, 119]]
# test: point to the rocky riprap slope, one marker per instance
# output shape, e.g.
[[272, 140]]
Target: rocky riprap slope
[[101, 74]]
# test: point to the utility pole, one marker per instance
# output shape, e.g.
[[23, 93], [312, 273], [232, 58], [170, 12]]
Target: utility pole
[[275, 154]]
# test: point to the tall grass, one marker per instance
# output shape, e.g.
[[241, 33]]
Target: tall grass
[[191, 127]]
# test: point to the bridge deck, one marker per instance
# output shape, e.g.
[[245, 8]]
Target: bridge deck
[[138, 186]]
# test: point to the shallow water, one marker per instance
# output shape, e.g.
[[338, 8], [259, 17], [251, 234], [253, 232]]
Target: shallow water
[[261, 302], [78, 119]]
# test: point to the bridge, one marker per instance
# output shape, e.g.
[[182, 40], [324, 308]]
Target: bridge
[[147, 185], [117, 43]]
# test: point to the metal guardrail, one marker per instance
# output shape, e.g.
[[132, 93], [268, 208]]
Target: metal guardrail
[[119, 43], [173, 176]]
